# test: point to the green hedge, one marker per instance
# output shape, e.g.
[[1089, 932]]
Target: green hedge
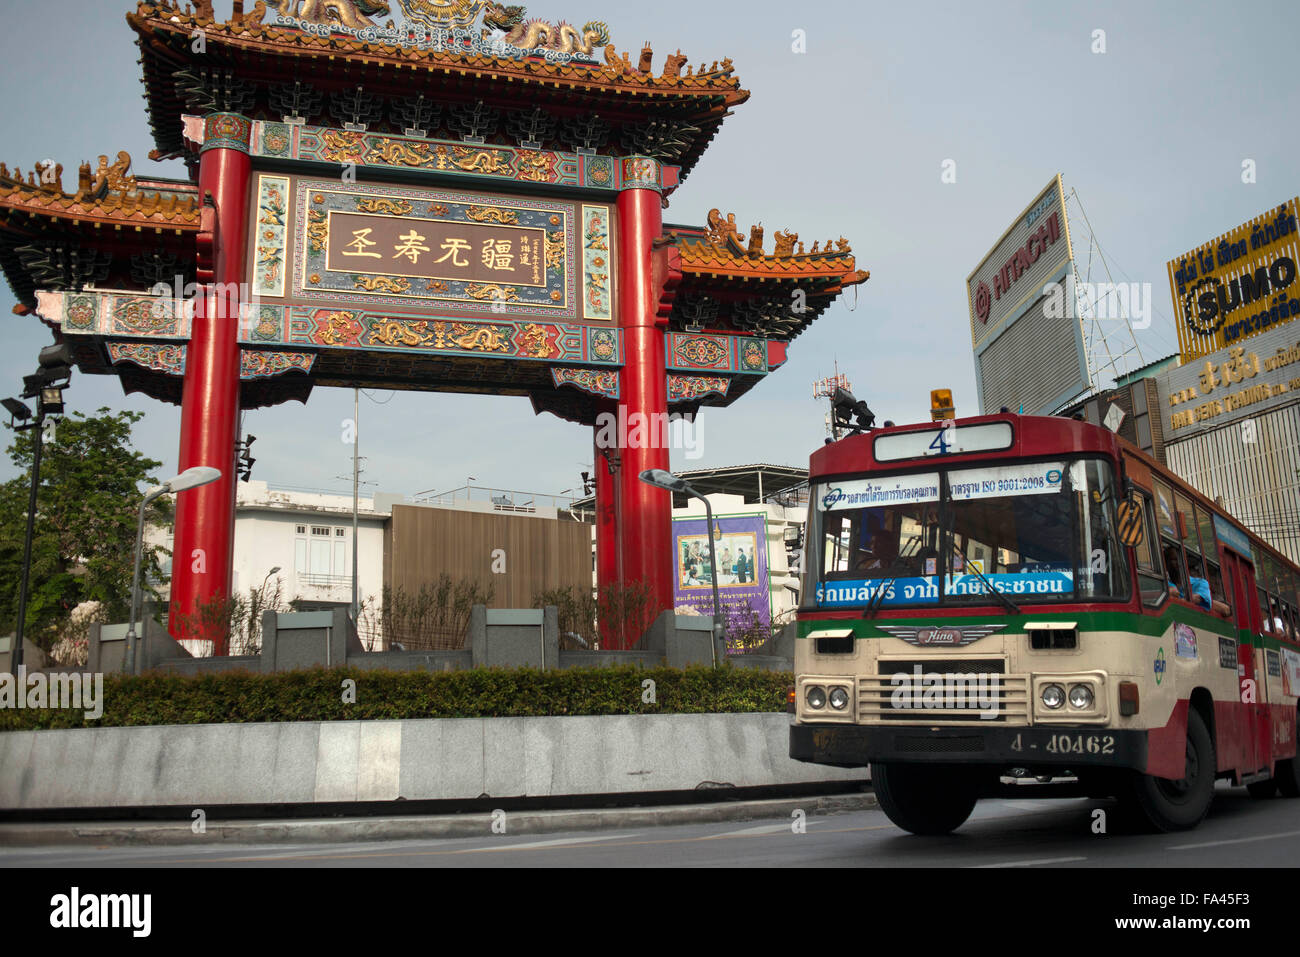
[[317, 695]]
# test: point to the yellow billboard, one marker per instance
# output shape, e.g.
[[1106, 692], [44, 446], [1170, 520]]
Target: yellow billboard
[[1238, 285]]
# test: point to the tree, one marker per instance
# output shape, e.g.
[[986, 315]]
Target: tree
[[83, 542]]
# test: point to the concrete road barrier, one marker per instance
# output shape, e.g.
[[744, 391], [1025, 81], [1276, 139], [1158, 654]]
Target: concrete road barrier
[[416, 760]]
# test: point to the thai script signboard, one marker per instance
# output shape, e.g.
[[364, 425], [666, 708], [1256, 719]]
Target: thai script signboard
[[1238, 285], [1235, 383]]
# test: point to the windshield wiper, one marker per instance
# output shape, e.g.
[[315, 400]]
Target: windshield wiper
[[1011, 605]]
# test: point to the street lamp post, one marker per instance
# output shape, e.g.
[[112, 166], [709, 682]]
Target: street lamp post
[[46, 385], [16, 652], [190, 478], [672, 483]]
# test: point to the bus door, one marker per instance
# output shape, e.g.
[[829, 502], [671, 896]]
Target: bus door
[[1252, 684]]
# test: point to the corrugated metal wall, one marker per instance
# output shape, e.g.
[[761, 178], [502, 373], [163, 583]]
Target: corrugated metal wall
[[1256, 469], [539, 553], [1031, 363]]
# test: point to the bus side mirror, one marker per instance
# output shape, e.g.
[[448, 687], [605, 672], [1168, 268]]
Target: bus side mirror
[[1132, 520]]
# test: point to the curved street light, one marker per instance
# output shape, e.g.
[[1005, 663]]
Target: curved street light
[[674, 483], [190, 478]]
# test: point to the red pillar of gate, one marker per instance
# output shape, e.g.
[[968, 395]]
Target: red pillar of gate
[[203, 549], [645, 513], [607, 556]]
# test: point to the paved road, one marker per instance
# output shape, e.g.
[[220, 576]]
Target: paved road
[[1239, 832]]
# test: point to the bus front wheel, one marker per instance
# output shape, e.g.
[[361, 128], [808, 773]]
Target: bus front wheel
[[925, 799], [1181, 805]]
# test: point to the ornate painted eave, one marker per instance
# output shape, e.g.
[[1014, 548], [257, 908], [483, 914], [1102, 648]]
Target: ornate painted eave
[[692, 101]]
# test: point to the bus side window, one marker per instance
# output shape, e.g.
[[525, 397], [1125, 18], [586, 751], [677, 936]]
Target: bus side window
[[1215, 578], [1191, 539], [1263, 608], [1151, 579], [1295, 609], [1173, 556], [1165, 510]]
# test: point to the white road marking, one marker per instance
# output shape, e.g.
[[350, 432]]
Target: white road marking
[[557, 842], [1239, 840], [1035, 863], [1031, 804], [759, 829]]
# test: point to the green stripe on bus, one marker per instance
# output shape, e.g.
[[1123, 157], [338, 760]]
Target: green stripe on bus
[[1148, 625], [1086, 621]]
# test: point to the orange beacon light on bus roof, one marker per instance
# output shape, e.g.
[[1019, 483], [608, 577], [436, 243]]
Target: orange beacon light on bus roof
[[941, 405]]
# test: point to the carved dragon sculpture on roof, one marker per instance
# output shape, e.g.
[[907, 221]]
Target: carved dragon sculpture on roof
[[538, 34], [353, 14]]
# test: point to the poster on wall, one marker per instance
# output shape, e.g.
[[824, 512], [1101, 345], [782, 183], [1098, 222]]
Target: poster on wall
[[740, 545]]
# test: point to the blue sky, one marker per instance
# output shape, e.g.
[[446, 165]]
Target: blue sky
[[848, 138]]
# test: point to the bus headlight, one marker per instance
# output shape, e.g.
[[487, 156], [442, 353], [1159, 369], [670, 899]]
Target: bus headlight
[[815, 697], [1080, 697], [1053, 697], [839, 699]]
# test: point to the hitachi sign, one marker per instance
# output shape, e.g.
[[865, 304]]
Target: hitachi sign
[[1019, 263]]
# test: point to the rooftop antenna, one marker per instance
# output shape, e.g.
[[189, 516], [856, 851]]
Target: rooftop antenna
[[826, 389]]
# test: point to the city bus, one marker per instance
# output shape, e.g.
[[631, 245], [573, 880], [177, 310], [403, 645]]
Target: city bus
[[993, 600]]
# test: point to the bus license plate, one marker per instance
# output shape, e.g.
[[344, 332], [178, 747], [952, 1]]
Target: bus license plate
[[1064, 743]]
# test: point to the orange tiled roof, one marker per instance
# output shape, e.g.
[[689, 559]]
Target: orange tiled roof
[[625, 88], [108, 195], [722, 251], [251, 33]]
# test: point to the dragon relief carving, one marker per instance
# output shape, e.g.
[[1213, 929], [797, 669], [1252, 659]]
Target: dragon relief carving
[[318, 230], [472, 161], [381, 284], [533, 342], [395, 332], [555, 250], [470, 338], [479, 290], [392, 152], [397, 207], [353, 14], [492, 214], [535, 166], [342, 146], [538, 34], [335, 328]]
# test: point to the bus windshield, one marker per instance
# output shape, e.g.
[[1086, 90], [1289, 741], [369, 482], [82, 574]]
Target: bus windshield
[[1041, 531]]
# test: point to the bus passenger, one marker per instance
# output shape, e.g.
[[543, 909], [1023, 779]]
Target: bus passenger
[[1200, 587]]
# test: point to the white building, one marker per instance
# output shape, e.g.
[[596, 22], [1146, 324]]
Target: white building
[[300, 543], [308, 537]]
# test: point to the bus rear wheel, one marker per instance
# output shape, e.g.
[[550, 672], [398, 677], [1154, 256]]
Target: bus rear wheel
[[1181, 805], [925, 799]]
